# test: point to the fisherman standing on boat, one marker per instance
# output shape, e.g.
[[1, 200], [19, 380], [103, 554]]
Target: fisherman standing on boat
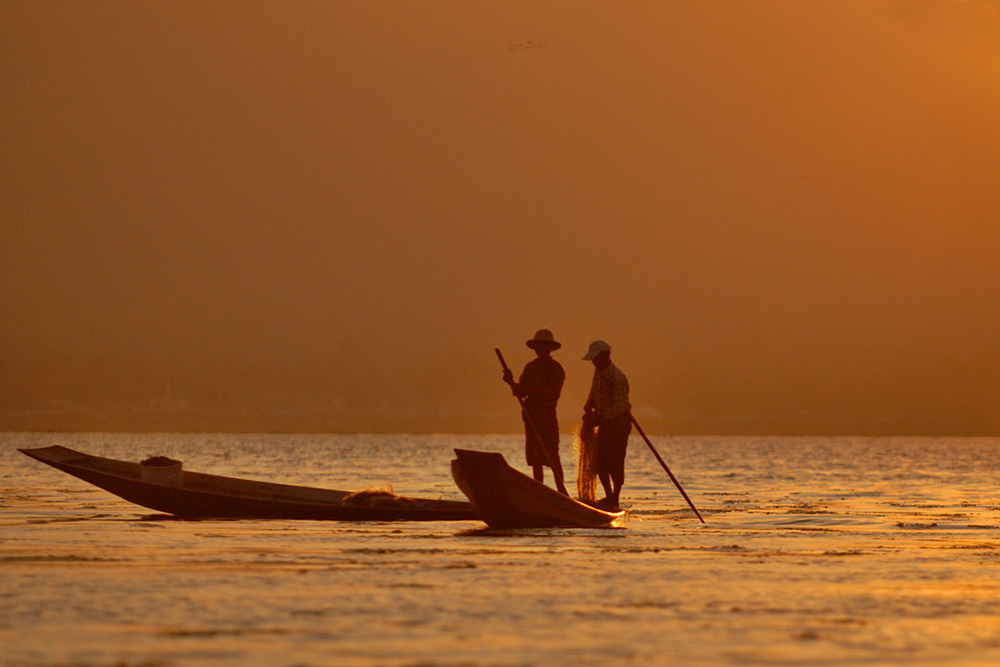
[[608, 407], [539, 386]]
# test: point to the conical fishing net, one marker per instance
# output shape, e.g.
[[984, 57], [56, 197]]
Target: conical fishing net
[[585, 453]]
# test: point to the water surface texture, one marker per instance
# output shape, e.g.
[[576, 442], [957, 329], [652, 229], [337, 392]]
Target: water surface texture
[[821, 551]]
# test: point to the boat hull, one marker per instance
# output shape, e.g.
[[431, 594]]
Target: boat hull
[[204, 496], [507, 498]]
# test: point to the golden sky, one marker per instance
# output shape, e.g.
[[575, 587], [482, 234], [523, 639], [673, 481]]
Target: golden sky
[[783, 216]]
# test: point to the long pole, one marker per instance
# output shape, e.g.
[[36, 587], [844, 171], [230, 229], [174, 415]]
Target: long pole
[[662, 463], [556, 470]]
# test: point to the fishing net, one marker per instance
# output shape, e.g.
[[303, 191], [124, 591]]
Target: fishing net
[[375, 497], [585, 453]]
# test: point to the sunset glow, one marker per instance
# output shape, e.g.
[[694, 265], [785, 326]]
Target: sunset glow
[[782, 215]]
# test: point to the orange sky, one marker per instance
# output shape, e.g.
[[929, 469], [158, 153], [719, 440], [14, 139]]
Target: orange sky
[[784, 216]]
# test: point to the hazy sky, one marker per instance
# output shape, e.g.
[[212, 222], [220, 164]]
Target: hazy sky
[[775, 211]]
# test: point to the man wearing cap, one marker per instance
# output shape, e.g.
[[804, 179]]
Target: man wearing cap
[[608, 407], [539, 386]]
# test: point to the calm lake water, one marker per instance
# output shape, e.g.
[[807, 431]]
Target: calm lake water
[[816, 551]]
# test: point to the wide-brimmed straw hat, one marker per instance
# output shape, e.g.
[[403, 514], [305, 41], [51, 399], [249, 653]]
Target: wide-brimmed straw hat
[[543, 339], [596, 348]]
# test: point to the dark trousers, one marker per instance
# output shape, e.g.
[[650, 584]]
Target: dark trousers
[[612, 441], [548, 428]]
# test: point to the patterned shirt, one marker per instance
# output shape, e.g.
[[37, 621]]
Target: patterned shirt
[[609, 392]]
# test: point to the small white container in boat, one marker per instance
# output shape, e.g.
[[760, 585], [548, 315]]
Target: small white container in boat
[[161, 470]]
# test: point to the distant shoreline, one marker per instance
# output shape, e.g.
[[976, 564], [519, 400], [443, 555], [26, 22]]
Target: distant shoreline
[[145, 421]]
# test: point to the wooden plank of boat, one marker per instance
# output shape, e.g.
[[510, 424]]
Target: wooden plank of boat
[[507, 498], [201, 495]]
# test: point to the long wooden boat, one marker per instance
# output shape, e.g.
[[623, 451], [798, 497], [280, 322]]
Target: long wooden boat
[[507, 498], [198, 495]]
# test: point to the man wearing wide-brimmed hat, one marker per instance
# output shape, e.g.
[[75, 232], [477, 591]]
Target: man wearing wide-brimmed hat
[[539, 386]]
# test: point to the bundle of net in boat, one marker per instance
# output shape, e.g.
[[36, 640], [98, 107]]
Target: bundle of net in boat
[[376, 497], [585, 453]]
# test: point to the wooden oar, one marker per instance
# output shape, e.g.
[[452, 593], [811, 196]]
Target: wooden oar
[[662, 463], [556, 470]]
